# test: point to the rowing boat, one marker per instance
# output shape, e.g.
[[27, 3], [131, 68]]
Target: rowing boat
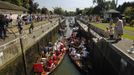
[[59, 61], [79, 66]]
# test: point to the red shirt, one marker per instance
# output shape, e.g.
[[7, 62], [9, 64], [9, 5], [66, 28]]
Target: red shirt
[[58, 53], [38, 67], [54, 57], [50, 62]]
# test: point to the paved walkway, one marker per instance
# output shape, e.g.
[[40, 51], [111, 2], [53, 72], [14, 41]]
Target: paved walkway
[[123, 46], [39, 27]]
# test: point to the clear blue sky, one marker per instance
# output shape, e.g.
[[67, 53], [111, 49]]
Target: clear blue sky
[[69, 5]]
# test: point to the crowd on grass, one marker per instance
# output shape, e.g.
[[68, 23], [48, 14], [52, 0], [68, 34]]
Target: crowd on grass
[[115, 28], [115, 32]]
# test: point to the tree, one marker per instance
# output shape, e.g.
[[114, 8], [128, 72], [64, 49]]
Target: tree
[[38, 10], [86, 11], [122, 8], [17, 2], [78, 11], [44, 11], [33, 6], [129, 12], [103, 5], [51, 12], [25, 3], [58, 11], [66, 13]]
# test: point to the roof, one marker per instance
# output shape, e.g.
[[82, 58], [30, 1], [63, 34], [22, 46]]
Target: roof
[[9, 6], [111, 11]]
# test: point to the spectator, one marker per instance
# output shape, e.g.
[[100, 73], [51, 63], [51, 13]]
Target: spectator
[[118, 29], [3, 26], [31, 24], [20, 23]]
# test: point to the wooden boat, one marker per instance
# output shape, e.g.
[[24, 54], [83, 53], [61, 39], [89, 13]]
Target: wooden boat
[[79, 66], [59, 61], [41, 70]]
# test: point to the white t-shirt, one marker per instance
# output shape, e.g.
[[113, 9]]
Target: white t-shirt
[[119, 25], [84, 53]]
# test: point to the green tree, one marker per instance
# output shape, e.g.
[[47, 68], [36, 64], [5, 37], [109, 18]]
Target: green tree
[[25, 3], [129, 12], [44, 10], [122, 7], [78, 11], [38, 10], [51, 12], [58, 11], [33, 7], [17, 2]]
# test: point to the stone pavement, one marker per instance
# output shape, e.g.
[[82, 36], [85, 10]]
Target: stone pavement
[[123, 46], [16, 34]]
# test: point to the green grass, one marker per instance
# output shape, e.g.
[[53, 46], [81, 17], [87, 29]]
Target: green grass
[[129, 28], [125, 35], [128, 36], [100, 26]]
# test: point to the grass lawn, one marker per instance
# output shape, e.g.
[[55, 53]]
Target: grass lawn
[[129, 28], [126, 35], [100, 25]]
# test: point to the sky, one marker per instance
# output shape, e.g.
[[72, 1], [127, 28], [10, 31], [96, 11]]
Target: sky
[[70, 5]]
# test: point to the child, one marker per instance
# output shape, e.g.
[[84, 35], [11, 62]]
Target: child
[[111, 32]]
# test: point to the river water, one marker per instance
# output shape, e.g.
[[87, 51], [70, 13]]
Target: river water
[[66, 67]]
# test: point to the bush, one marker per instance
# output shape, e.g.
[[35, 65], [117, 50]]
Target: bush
[[132, 23]]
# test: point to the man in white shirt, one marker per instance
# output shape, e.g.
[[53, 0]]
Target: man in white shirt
[[118, 29]]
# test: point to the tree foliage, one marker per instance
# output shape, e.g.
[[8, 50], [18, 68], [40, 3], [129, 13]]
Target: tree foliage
[[44, 10], [78, 11], [122, 8], [103, 5], [58, 11], [28, 4], [33, 7]]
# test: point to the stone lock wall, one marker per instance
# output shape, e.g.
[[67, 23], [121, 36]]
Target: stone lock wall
[[108, 59], [11, 61]]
